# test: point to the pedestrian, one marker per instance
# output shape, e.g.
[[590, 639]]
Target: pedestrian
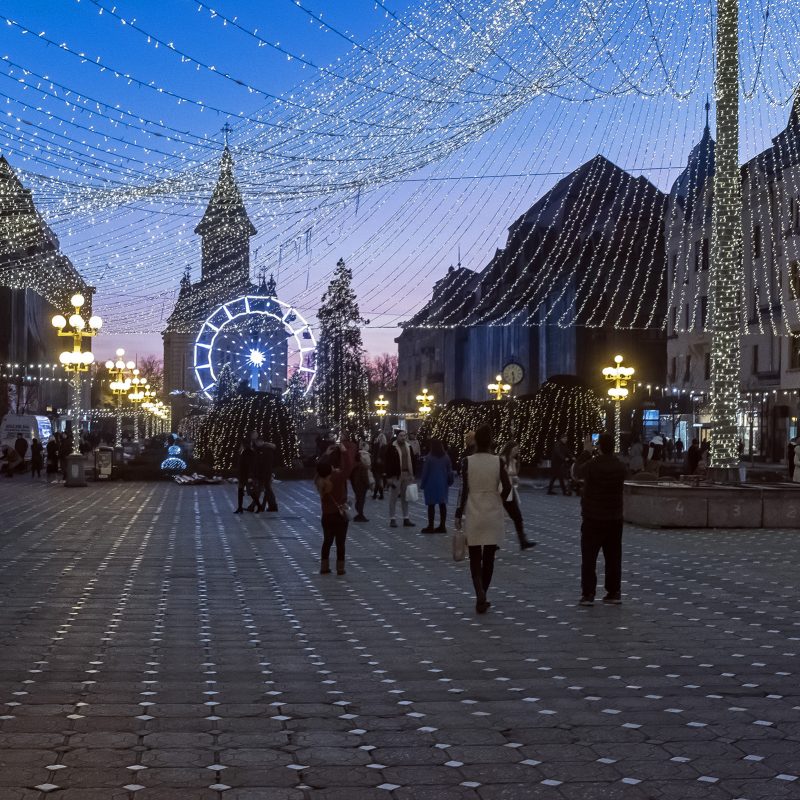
[[21, 446], [679, 449], [331, 483], [64, 450], [52, 455], [36, 458], [636, 456], [416, 449], [510, 458], [359, 480], [790, 450], [668, 447], [560, 457], [12, 461], [692, 457], [265, 464], [247, 457], [437, 478], [399, 469], [484, 484], [796, 473], [378, 448], [601, 510]]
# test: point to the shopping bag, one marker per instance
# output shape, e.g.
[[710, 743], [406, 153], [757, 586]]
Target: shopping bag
[[459, 546], [412, 493]]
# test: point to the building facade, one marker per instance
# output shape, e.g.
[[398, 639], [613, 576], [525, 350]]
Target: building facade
[[579, 279]]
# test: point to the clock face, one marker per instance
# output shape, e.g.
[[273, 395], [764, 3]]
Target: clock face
[[513, 373]]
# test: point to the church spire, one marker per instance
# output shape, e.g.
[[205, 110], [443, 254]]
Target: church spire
[[226, 228]]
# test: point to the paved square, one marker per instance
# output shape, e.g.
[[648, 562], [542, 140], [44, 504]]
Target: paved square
[[155, 646]]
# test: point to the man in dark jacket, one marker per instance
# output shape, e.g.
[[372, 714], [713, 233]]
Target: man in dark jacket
[[559, 461], [693, 456], [21, 446], [601, 509], [265, 464], [247, 457]]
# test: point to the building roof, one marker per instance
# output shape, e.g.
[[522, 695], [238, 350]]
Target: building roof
[[225, 213], [699, 167]]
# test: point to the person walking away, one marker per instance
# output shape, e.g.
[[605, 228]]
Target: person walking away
[[247, 457], [52, 455], [331, 483], [601, 510], [693, 457], [679, 449], [796, 472], [510, 459], [359, 480], [265, 464], [64, 449], [790, 450], [378, 448], [416, 449], [400, 467], [559, 460], [484, 484], [36, 458], [437, 478]]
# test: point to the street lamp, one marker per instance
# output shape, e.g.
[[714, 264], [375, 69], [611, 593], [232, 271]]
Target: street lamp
[[620, 376], [77, 360], [140, 388], [425, 401], [381, 406], [120, 386], [499, 389]]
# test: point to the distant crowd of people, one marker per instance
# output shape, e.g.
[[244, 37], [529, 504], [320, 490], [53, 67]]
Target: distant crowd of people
[[51, 456]]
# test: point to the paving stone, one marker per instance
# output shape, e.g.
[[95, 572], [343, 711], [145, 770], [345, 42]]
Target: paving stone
[[177, 637]]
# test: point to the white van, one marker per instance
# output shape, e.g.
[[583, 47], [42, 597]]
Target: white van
[[31, 426]]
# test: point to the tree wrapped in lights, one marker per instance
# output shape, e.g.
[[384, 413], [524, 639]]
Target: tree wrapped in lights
[[226, 385], [341, 387], [220, 434], [563, 405]]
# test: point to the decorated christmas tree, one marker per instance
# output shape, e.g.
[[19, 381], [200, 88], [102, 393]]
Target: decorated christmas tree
[[226, 385], [341, 383]]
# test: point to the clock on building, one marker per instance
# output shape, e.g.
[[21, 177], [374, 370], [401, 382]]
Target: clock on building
[[513, 373]]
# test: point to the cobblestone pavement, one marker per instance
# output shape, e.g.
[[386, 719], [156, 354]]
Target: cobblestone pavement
[[157, 647]]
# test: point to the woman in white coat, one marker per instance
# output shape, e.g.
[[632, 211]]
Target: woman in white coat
[[484, 484]]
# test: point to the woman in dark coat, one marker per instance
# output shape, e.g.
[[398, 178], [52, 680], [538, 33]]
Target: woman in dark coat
[[437, 477], [247, 458], [36, 458]]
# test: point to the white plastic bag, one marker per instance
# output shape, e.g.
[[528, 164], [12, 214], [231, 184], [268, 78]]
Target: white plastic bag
[[412, 493]]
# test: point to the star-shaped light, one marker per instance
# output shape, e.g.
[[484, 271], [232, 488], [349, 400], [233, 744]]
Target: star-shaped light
[[256, 358]]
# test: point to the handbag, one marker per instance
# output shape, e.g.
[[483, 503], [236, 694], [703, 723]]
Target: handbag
[[412, 492], [344, 511], [459, 545]]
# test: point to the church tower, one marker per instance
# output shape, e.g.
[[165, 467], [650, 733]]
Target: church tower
[[225, 230]]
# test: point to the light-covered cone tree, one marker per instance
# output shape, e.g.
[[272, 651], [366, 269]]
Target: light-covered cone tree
[[226, 385], [341, 382]]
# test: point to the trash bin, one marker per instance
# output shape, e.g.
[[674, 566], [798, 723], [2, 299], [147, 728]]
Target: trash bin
[[76, 470], [103, 462]]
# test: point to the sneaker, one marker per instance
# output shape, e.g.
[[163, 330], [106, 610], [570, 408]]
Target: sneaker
[[239, 511], [428, 529], [586, 601], [612, 600], [407, 523], [526, 544], [360, 518], [441, 529], [392, 523]]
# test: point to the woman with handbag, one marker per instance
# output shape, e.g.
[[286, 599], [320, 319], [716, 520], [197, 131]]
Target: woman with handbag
[[484, 484], [331, 483]]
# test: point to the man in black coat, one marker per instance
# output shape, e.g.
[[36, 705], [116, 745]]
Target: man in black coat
[[247, 457], [21, 446], [601, 508], [559, 461], [693, 456]]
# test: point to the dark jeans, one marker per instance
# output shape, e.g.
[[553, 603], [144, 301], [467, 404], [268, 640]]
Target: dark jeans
[[513, 510], [334, 529], [558, 474], [268, 500], [360, 499], [597, 535], [378, 490], [442, 515], [481, 567]]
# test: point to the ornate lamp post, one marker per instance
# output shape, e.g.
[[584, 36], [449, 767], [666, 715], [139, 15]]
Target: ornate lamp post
[[120, 386], [498, 388], [140, 387], [77, 360], [381, 408], [620, 376], [425, 401]]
